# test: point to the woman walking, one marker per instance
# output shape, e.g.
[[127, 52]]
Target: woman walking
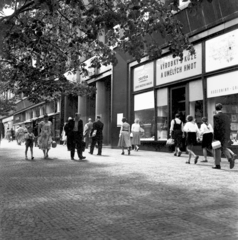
[[45, 135], [136, 134], [206, 132], [192, 137], [124, 137], [176, 132]]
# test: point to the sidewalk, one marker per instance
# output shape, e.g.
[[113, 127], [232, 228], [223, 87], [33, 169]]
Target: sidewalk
[[147, 195]]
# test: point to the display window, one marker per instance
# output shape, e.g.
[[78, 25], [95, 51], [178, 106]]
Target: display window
[[144, 110], [230, 107], [162, 114]]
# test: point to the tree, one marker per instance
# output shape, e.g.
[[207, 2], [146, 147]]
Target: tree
[[44, 39]]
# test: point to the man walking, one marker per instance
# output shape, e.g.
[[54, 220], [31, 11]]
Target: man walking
[[97, 135], [2, 131], [222, 134], [75, 136], [87, 132]]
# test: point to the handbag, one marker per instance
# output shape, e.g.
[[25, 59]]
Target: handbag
[[131, 134], [94, 133], [54, 144], [170, 141], [216, 144]]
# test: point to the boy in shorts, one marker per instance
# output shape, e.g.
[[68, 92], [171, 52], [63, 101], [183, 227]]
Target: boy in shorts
[[29, 139]]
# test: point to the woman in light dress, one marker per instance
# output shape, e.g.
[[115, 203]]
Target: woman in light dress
[[136, 134], [45, 135], [192, 136], [124, 137]]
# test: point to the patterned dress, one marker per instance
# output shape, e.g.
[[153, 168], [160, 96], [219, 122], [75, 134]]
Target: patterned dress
[[45, 139]]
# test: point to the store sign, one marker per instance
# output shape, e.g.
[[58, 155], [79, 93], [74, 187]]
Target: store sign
[[222, 51], [143, 76], [221, 85], [169, 69]]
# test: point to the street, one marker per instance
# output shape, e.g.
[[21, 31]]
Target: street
[[147, 195]]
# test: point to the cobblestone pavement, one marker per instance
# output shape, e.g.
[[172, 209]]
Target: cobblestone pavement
[[147, 195]]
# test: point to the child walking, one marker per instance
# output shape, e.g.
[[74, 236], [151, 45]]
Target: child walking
[[29, 138]]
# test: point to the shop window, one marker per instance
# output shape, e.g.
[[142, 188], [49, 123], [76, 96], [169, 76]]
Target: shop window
[[144, 110], [162, 114], [230, 107]]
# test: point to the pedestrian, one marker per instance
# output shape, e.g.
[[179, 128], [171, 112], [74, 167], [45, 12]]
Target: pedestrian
[[222, 133], [97, 135], [176, 132], [8, 135], [192, 136], [124, 136], [136, 134], [206, 134], [45, 133], [66, 131], [12, 134], [2, 132], [29, 141], [20, 134], [35, 132], [87, 132], [74, 131]]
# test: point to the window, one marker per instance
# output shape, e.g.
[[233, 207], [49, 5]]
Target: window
[[144, 110]]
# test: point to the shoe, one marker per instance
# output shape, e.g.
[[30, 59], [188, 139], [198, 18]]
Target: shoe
[[32, 158], [196, 159], [90, 153], [179, 154], [122, 153], [204, 160], [72, 158], [82, 158], [187, 162], [175, 154], [99, 154], [232, 163], [217, 167]]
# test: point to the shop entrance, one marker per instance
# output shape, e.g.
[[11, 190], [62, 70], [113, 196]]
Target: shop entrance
[[178, 102]]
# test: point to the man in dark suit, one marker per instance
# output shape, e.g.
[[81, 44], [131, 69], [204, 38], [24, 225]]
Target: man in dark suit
[[222, 133], [2, 131], [97, 135], [75, 136]]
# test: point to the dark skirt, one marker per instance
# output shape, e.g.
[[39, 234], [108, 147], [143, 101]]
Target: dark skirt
[[177, 136], [191, 138], [29, 143], [207, 140]]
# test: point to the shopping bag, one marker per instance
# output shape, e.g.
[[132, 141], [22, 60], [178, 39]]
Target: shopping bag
[[94, 133], [131, 134], [216, 144], [54, 144], [170, 141]]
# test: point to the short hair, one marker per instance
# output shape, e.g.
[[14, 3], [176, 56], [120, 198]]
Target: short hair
[[177, 115], [137, 120], [189, 118], [46, 116], [204, 119], [98, 117], [218, 106], [123, 119], [90, 119]]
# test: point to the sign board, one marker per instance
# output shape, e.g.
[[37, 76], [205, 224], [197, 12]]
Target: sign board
[[169, 69], [143, 76], [222, 85], [222, 51]]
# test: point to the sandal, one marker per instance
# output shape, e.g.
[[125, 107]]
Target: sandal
[[204, 160], [196, 159]]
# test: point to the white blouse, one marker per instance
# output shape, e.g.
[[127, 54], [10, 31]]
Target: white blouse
[[191, 127], [206, 128], [135, 127]]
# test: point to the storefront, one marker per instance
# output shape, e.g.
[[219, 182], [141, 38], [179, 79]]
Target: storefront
[[165, 87], [222, 85]]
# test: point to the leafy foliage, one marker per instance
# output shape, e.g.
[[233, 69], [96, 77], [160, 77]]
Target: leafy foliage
[[44, 39]]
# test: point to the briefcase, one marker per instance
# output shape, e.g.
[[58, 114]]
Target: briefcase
[[216, 144]]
